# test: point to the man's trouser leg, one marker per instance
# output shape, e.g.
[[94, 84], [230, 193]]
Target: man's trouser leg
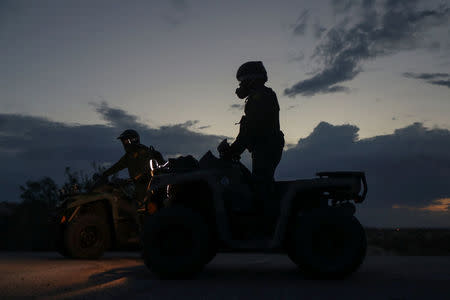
[[141, 190], [264, 162], [265, 159]]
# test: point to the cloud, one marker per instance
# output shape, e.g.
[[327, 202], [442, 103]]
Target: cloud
[[297, 57], [341, 6], [380, 31], [299, 28], [115, 116], [33, 147], [425, 76], [179, 10], [318, 30], [323, 82], [442, 79], [441, 82], [204, 127], [186, 124], [409, 167]]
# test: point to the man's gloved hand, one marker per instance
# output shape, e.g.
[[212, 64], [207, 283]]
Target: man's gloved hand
[[224, 150], [143, 178]]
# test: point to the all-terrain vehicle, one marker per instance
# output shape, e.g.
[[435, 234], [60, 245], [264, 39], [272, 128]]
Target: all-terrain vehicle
[[90, 223], [209, 207]]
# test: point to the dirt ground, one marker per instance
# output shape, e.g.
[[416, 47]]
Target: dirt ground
[[47, 275]]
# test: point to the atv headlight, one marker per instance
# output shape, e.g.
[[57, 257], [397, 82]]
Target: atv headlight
[[153, 164]]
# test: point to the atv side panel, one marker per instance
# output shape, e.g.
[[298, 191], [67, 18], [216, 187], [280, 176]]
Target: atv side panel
[[306, 191]]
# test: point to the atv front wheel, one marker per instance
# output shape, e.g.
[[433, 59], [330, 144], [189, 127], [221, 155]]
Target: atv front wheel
[[59, 242], [87, 237], [327, 246], [176, 242]]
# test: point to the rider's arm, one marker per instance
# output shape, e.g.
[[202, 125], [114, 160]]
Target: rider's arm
[[154, 154], [118, 166], [239, 145]]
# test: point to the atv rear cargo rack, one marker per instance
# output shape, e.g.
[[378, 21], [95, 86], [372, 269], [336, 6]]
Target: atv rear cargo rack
[[349, 174]]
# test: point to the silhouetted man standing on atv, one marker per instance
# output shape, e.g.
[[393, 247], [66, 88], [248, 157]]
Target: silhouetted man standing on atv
[[259, 130], [136, 159]]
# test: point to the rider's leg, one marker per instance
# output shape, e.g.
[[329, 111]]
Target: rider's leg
[[264, 162]]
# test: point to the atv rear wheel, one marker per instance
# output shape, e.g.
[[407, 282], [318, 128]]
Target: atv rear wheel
[[87, 237], [176, 242], [327, 246]]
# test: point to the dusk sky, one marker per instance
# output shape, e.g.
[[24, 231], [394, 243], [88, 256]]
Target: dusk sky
[[375, 74]]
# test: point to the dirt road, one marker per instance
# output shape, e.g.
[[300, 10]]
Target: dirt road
[[228, 276]]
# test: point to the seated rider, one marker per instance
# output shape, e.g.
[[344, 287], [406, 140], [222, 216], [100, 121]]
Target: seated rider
[[259, 130], [137, 159]]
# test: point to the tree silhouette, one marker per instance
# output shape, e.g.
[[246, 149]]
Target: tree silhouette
[[28, 227], [44, 191]]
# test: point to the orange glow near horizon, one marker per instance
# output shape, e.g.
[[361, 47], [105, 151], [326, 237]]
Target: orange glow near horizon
[[439, 205]]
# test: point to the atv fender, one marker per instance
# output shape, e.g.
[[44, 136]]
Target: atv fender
[[107, 201], [294, 192], [216, 182]]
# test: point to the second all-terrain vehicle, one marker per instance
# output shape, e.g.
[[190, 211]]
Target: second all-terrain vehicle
[[104, 217], [209, 206]]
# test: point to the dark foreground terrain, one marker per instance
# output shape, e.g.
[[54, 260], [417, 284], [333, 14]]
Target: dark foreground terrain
[[410, 241], [47, 275]]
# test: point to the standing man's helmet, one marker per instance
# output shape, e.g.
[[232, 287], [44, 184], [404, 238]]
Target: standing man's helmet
[[129, 136], [252, 70], [250, 75]]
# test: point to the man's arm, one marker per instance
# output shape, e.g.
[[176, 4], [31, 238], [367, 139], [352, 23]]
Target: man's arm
[[154, 154], [118, 166], [239, 145]]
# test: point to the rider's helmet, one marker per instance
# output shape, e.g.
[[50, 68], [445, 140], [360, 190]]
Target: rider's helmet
[[252, 70], [129, 137]]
